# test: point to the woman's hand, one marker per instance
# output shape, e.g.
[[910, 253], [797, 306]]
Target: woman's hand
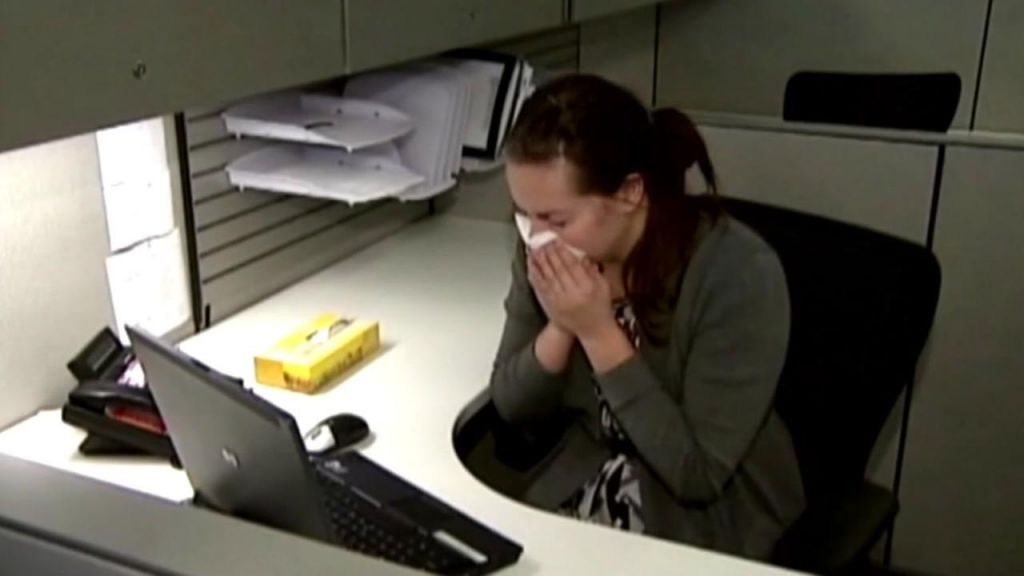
[[573, 292]]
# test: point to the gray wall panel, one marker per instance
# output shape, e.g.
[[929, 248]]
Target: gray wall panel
[[454, 23], [216, 155], [233, 204], [210, 185], [263, 220], [584, 9], [886, 186], [1001, 96], [963, 489], [621, 48], [736, 56], [73, 61], [206, 129]]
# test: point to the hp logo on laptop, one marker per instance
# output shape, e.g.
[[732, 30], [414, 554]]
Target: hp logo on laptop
[[229, 458]]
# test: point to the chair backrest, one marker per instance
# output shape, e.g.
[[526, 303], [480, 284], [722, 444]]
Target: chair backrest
[[902, 101], [862, 307]]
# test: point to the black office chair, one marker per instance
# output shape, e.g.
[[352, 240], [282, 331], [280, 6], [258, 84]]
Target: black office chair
[[903, 101], [862, 308]]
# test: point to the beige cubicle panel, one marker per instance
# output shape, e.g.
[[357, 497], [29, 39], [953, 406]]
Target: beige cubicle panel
[[53, 282], [621, 49], [886, 186], [381, 32], [68, 67], [736, 56], [962, 494], [1001, 94]]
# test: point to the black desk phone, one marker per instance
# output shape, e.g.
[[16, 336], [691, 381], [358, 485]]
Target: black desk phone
[[111, 402]]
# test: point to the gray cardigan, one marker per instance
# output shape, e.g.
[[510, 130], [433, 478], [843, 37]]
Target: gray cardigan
[[718, 466]]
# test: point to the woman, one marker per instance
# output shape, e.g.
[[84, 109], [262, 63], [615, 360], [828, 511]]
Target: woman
[[661, 347]]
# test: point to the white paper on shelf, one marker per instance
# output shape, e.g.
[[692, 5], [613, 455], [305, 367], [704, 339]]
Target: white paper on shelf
[[348, 123], [138, 209], [427, 101], [459, 85], [356, 177], [148, 285], [485, 78]]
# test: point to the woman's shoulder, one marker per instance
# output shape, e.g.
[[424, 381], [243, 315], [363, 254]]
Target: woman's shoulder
[[733, 263], [728, 246]]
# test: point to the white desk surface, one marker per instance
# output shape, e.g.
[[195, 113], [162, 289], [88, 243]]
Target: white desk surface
[[437, 289]]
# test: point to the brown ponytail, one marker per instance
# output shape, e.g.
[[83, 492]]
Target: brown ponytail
[[655, 268], [608, 134]]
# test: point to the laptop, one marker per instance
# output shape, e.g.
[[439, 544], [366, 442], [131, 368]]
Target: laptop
[[245, 457]]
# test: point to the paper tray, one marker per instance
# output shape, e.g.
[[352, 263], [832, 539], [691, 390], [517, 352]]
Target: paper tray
[[324, 173], [347, 123]]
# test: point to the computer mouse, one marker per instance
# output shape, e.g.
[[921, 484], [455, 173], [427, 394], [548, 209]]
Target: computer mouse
[[335, 433]]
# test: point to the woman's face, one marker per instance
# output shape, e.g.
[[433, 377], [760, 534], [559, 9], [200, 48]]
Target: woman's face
[[547, 193]]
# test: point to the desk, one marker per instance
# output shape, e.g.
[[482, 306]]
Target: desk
[[437, 289]]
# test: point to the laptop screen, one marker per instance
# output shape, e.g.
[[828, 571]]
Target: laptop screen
[[242, 455]]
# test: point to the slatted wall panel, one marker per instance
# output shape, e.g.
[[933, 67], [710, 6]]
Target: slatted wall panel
[[250, 244]]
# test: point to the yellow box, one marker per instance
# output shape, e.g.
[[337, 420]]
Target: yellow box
[[306, 359]]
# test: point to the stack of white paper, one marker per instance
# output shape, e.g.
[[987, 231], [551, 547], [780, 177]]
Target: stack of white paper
[[462, 105], [500, 85], [437, 101]]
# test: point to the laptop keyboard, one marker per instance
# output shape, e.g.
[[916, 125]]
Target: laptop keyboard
[[361, 525]]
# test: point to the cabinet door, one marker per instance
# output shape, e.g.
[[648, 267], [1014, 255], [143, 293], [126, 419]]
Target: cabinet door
[[69, 66], [584, 9], [384, 32]]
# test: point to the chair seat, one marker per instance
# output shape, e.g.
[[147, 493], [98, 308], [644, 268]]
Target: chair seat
[[832, 534]]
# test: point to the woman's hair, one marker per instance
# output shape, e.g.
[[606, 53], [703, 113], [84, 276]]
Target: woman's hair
[[606, 133]]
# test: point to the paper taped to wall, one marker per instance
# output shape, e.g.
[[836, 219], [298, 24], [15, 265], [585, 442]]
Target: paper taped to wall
[[131, 152], [138, 209]]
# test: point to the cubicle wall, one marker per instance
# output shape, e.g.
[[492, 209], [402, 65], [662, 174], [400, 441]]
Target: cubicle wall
[[1000, 106], [879, 184], [53, 284], [248, 244], [962, 493], [736, 56]]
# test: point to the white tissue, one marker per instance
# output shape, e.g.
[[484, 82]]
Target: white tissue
[[535, 241]]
